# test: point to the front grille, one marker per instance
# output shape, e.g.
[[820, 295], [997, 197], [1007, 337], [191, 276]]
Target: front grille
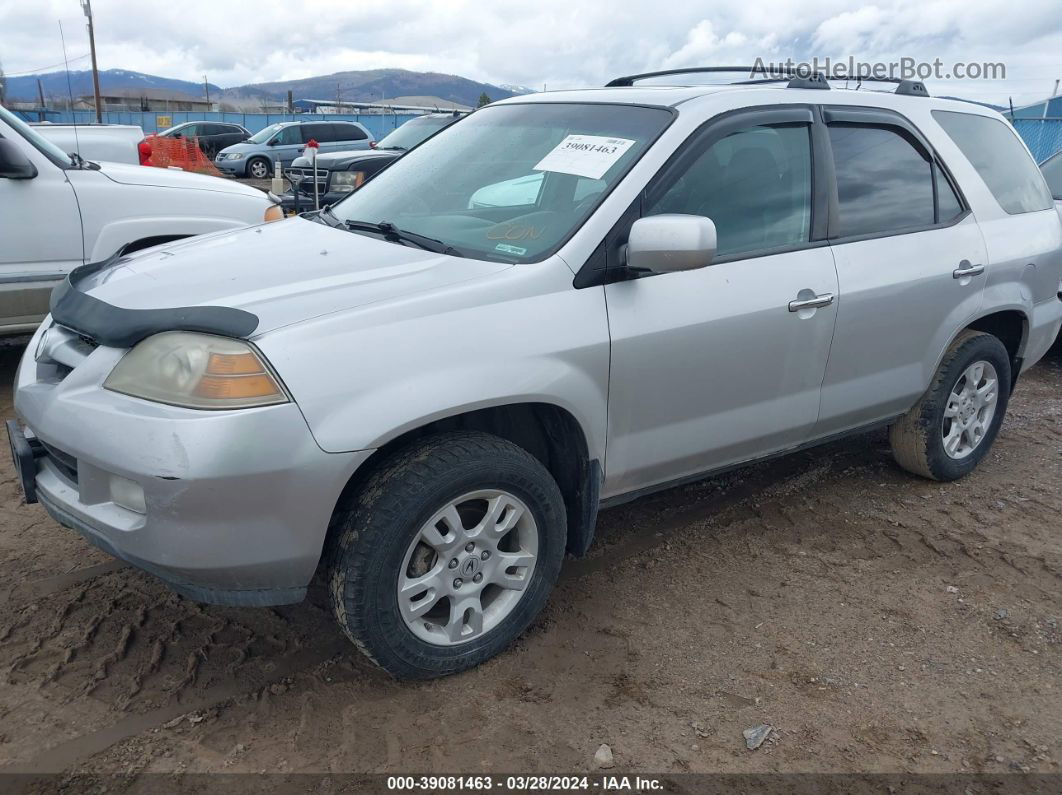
[[63, 461], [302, 179]]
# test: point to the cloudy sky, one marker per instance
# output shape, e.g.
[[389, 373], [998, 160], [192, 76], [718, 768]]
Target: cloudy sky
[[559, 43]]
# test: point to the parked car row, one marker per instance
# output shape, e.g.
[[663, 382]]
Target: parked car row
[[424, 393], [284, 141]]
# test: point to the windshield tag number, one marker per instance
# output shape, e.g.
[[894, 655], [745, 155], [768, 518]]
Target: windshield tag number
[[585, 155]]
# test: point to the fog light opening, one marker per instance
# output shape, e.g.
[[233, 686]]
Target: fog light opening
[[127, 494]]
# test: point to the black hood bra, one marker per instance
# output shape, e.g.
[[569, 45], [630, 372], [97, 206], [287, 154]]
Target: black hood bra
[[116, 327]]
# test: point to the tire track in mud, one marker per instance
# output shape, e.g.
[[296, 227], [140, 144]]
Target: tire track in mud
[[65, 755]]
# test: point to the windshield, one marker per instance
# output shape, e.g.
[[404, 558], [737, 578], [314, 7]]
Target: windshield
[[413, 132], [510, 182], [176, 129], [34, 138], [1053, 174], [262, 136]]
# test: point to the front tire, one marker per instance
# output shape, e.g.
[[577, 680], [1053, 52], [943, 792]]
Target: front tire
[[258, 168], [446, 554], [951, 428]]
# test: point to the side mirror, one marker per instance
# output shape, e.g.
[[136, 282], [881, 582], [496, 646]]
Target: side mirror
[[272, 142], [13, 162], [667, 243]]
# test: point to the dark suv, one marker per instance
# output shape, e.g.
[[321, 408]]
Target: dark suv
[[340, 173], [211, 136]]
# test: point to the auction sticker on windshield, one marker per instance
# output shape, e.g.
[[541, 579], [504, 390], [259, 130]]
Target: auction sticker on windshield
[[584, 155]]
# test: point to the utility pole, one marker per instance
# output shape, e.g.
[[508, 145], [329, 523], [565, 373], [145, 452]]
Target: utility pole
[[86, 6], [206, 87]]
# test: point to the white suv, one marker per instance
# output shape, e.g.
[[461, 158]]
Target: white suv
[[58, 211], [426, 397]]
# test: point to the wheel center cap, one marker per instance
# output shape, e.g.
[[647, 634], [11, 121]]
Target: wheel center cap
[[469, 567]]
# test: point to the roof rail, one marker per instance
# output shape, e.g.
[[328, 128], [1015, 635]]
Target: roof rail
[[816, 80], [630, 80], [794, 77]]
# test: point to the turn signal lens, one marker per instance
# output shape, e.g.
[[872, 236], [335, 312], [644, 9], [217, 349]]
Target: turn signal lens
[[198, 371], [273, 213]]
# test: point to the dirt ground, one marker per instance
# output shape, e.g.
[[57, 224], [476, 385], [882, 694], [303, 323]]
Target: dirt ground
[[877, 621]]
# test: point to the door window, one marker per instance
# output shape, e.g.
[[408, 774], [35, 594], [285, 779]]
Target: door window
[[754, 184], [349, 132], [993, 148], [884, 183], [289, 135], [322, 133]]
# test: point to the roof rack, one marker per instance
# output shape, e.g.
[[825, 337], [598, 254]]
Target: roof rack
[[793, 77]]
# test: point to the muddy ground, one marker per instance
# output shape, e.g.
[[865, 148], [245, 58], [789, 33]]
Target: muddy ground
[[877, 621]]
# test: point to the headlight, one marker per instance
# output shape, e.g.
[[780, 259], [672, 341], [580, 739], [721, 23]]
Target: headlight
[[233, 156], [273, 213], [197, 371], [346, 181]]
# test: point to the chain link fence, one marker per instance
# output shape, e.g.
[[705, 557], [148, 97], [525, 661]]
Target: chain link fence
[[1042, 136], [379, 124]]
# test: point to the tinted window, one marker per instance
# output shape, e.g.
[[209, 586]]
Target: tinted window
[[348, 132], [1053, 174], [754, 184], [322, 133], [993, 148], [884, 184], [948, 204]]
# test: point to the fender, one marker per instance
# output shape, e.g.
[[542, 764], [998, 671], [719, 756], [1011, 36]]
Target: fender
[[117, 234]]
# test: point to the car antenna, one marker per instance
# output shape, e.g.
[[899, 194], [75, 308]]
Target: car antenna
[[69, 90]]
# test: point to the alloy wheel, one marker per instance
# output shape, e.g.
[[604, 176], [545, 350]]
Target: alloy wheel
[[970, 408], [468, 567]]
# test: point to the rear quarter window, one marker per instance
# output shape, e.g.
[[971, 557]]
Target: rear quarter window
[[995, 151], [349, 132]]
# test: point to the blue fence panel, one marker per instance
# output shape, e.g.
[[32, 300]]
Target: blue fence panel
[[379, 124], [1042, 136]]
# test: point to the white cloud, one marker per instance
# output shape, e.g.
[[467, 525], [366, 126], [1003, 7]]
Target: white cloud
[[535, 42]]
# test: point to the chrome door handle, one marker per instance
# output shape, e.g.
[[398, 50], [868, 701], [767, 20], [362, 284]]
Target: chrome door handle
[[966, 269], [811, 303]]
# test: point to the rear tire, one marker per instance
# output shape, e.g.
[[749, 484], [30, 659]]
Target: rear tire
[[432, 517], [953, 425]]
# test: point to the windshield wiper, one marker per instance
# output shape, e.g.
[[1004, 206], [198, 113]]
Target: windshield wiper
[[391, 148], [328, 217], [396, 235]]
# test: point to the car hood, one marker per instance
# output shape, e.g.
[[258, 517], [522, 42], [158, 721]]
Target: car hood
[[244, 147], [285, 272], [129, 174], [333, 160]]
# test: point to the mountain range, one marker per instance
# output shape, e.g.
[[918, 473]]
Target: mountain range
[[373, 84]]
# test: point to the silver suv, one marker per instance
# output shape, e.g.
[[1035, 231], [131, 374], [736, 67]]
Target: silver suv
[[425, 398]]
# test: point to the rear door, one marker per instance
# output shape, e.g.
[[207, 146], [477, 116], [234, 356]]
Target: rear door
[[724, 364], [910, 264]]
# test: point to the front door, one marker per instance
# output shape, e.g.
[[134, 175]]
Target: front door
[[40, 230], [724, 364]]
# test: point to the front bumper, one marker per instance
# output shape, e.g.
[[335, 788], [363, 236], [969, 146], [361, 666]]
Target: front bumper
[[237, 503], [237, 168]]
